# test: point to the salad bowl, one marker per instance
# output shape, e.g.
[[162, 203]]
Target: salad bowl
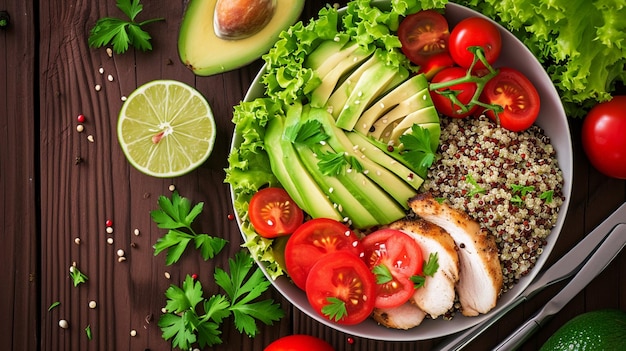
[[551, 119]]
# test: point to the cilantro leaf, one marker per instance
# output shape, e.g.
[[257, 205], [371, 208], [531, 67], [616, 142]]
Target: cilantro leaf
[[417, 149], [335, 309], [122, 33], [177, 215]]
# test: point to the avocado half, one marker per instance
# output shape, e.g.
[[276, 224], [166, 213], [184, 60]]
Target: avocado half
[[206, 54]]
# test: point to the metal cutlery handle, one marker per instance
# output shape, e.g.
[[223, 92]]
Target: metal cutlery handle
[[605, 254]]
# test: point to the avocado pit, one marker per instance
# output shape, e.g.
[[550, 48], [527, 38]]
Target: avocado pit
[[238, 19]]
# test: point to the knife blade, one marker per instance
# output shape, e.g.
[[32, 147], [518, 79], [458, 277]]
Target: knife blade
[[610, 248], [564, 268]]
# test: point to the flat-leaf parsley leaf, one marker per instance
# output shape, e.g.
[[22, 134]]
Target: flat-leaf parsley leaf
[[122, 33], [177, 215], [191, 318]]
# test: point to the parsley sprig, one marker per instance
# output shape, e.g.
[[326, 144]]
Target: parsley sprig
[[177, 215], [418, 150], [429, 269], [122, 33], [191, 318]]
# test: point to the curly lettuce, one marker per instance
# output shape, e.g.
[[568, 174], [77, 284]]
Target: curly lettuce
[[579, 42]]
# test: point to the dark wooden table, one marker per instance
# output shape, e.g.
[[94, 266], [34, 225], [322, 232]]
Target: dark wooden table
[[56, 185]]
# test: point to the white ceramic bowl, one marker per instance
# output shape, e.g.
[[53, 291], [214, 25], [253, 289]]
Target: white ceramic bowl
[[551, 118]]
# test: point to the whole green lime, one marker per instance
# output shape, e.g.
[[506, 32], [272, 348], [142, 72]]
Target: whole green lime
[[596, 330]]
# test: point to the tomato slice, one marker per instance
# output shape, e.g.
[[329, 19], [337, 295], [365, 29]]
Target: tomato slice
[[273, 213], [396, 253], [313, 240], [423, 35], [517, 95], [474, 31], [463, 92], [341, 279]]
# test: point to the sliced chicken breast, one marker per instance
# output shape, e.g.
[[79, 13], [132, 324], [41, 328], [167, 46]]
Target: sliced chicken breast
[[437, 295], [480, 273], [405, 316]]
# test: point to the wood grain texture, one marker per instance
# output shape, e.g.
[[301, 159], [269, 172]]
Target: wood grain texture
[[18, 180], [57, 186]]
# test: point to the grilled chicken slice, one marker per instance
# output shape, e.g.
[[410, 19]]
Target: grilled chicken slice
[[437, 295], [405, 316], [480, 280]]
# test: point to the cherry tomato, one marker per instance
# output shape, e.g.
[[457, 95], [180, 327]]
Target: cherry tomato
[[299, 342], [463, 92], [273, 213], [435, 64], [517, 95], [341, 280], [314, 239], [603, 137], [423, 35], [402, 257], [474, 31]]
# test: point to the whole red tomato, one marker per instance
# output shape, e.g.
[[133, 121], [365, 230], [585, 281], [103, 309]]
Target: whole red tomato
[[299, 342], [474, 31], [604, 137], [464, 92]]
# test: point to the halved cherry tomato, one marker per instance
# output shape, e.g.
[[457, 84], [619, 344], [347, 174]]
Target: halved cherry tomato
[[474, 31], [299, 342], [463, 93], [313, 240], [402, 257], [423, 35], [341, 280], [435, 64], [273, 213], [517, 95]]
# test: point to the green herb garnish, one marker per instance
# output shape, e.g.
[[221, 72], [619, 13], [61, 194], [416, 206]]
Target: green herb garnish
[[335, 310], [192, 318], [476, 189], [417, 149], [88, 332], [382, 274], [53, 305], [547, 196], [176, 215], [430, 268], [122, 33], [77, 276]]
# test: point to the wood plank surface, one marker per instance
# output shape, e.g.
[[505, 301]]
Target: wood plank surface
[[58, 186], [18, 179]]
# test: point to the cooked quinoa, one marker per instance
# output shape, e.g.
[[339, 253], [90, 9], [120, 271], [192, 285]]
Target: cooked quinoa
[[509, 182]]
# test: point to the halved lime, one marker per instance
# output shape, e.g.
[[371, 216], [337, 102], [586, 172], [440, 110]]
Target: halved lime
[[166, 128]]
